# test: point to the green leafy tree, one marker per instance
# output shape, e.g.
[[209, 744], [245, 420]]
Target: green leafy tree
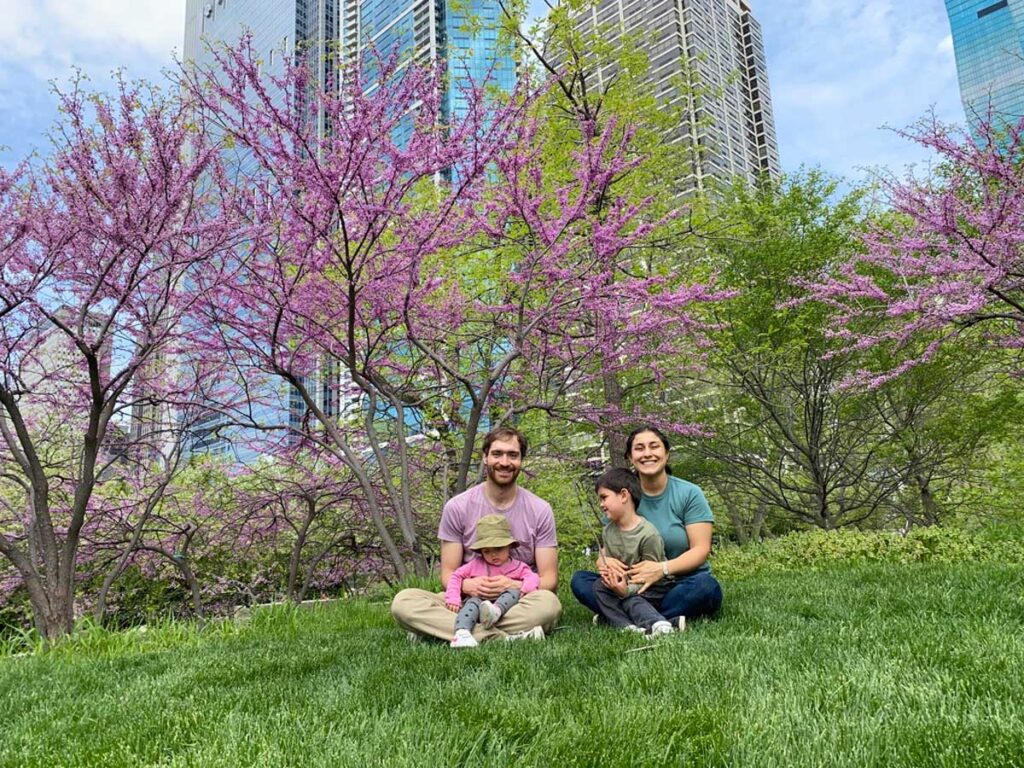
[[792, 439]]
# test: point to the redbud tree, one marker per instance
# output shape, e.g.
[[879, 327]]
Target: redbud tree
[[101, 247], [947, 263], [452, 276]]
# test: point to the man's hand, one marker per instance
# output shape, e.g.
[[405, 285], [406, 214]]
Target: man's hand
[[488, 587], [505, 583]]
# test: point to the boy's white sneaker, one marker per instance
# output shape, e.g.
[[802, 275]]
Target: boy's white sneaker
[[660, 628], [489, 614], [634, 628], [464, 639], [537, 633]]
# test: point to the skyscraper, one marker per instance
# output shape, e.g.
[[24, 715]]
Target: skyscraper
[[277, 26], [714, 50], [988, 40], [55, 365], [463, 35]]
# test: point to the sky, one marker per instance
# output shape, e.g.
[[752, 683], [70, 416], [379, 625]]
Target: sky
[[844, 74]]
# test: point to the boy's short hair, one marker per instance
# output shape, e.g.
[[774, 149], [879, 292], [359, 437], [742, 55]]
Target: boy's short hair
[[618, 479]]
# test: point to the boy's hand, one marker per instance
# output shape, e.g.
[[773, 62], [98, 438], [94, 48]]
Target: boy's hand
[[453, 607], [616, 583], [610, 565]]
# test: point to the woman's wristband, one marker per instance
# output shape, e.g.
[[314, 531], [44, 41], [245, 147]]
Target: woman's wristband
[[664, 568]]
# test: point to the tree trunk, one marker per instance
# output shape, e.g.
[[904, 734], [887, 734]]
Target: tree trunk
[[616, 438], [193, 584], [53, 611], [931, 509], [758, 524], [295, 557], [733, 513]]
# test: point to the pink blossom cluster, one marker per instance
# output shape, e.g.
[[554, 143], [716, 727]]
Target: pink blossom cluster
[[947, 258]]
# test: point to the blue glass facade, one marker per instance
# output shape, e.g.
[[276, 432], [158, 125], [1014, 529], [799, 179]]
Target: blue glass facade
[[474, 51], [428, 30], [466, 35], [278, 29], [988, 39]]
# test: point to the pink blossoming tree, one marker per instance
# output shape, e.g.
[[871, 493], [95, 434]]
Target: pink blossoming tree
[[948, 262], [454, 278], [101, 245]]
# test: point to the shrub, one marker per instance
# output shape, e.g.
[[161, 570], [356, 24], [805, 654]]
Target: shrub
[[819, 550]]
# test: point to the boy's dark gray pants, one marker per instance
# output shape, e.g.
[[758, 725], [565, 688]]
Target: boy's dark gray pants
[[633, 609]]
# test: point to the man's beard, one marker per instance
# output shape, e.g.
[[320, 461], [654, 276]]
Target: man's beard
[[492, 476]]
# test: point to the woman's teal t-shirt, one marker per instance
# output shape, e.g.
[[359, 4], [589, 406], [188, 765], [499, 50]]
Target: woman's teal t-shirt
[[679, 505]]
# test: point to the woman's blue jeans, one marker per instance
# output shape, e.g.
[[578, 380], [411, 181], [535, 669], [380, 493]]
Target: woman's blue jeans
[[698, 595]]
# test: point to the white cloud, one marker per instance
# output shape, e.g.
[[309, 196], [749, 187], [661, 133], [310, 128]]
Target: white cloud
[[945, 46], [47, 37], [815, 95], [840, 70], [873, 20], [42, 40], [156, 26]]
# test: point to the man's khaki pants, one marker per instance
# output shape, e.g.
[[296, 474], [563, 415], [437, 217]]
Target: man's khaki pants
[[425, 613]]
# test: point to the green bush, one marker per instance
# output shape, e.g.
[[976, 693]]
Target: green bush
[[570, 492], [15, 614], [824, 549]]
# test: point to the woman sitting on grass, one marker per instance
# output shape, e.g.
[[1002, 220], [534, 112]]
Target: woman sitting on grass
[[680, 513], [493, 545]]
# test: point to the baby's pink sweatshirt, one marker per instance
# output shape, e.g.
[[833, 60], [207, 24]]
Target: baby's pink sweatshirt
[[514, 569]]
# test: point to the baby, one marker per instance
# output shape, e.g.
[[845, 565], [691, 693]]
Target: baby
[[493, 544]]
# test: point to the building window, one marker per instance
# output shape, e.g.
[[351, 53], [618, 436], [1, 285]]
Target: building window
[[992, 8]]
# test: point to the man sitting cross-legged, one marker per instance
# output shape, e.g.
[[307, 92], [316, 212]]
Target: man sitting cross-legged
[[533, 527]]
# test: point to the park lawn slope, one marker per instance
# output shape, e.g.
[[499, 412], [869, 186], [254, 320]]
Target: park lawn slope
[[888, 665]]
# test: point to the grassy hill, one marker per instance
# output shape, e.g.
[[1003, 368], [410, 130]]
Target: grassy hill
[[884, 665]]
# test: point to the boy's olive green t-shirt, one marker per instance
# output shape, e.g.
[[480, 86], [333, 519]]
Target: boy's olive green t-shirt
[[631, 547]]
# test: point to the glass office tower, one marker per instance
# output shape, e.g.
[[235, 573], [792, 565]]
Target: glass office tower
[[988, 40], [714, 46], [464, 36], [279, 28], [275, 25]]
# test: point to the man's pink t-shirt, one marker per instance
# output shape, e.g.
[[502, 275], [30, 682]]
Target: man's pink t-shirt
[[530, 517]]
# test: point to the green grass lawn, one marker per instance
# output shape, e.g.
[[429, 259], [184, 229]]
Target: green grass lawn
[[918, 665]]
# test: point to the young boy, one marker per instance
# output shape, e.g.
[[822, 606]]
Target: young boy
[[630, 539]]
